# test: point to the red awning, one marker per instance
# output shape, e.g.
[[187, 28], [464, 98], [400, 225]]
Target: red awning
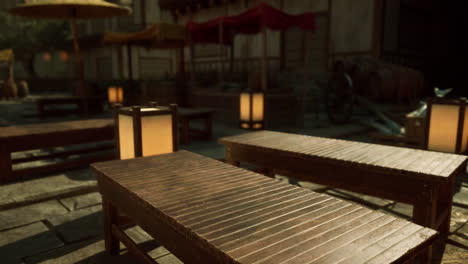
[[249, 22]]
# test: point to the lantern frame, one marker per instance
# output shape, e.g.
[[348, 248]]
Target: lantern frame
[[461, 103], [252, 125], [136, 114]]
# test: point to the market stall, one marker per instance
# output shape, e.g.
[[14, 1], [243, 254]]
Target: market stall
[[157, 36]]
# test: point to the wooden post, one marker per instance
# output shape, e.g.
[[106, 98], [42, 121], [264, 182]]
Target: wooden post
[[221, 49], [130, 68], [231, 58], [175, 127], [110, 216], [192, 55], [5, 164], [264, 59], [137, 131]]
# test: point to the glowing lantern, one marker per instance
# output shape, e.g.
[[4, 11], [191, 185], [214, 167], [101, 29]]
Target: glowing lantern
[[115, 94], [447, 125], [145, 131], [251, 110], [64, 56], [46, 56]]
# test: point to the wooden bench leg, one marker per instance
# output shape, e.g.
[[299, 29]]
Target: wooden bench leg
[[110, 216], [229, 159], [6, 171], [425, 214]]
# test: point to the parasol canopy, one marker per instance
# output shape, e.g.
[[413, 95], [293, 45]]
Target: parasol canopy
[[66, 9], [248, 22], [6, 55], [159, 35], [71, 9]]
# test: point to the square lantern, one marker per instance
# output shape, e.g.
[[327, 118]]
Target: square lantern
[[144, 131], [447, 125], [115, 94], [252, 110]]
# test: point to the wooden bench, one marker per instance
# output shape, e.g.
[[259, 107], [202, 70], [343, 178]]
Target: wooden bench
[[206, 211], [188, 114], [94, 105], [421, 178], [48, 135]]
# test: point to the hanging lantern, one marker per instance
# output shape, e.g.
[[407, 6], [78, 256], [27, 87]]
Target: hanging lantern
[[46, 56], [251, 110], [64, 56], [145, 131], [447, 125], [115, 94]]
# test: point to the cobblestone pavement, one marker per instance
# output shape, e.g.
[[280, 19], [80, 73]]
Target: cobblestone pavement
[[58, 218]]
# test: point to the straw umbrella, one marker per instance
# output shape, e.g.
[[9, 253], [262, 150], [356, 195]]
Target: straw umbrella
[[72, 10]]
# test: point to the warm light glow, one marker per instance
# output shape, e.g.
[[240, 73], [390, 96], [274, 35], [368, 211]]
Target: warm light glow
[[257, 106], [126, 140], [257, 126], [46, 56], [115, 94], [156, 134], [64, 56], [245, 125], [245, 106], [120, 95], [112, 95], [443, 128]]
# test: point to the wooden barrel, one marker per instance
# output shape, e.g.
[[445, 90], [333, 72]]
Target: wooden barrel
[[23, 89]]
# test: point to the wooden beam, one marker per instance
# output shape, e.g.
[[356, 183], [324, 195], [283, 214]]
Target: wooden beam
[[264, 59], [378, 28]]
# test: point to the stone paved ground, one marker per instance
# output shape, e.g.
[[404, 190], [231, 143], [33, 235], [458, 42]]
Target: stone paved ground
[[58, 219]]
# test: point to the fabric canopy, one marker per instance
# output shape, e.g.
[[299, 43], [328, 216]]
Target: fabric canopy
[[249, 22], [6, 55], [159, 35]]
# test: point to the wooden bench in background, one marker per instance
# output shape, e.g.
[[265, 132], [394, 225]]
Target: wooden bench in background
[[424, 179], [55, 134], [206, 211], [94, 104], [188, 114]]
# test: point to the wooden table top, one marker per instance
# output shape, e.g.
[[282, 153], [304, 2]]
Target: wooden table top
[[412, 162], [53, 127], [244, 217]]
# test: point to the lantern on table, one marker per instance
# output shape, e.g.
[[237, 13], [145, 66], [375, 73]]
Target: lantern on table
[[145, 131], [252, 110], [447, 125], [115, 94]]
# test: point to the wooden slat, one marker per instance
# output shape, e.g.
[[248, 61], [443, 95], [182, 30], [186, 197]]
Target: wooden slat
[[243, 219]]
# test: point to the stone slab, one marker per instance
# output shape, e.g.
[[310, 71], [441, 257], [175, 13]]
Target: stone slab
[[168, 259], [46, 188], [30, 213], [146, 242], [400, 210], [89, 251], [79, 224], [81, 201], [26, 241]]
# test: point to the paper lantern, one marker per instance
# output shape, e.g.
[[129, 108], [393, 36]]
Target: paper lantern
[[252, 110], [46, 56], [115, 94], [146, 131], [447, 125], [64, 56]]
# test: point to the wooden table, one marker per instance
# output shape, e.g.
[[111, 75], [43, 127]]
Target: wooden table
[[424, 179], [206, 211], [188, 114], [48, 135], [83, 105]]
